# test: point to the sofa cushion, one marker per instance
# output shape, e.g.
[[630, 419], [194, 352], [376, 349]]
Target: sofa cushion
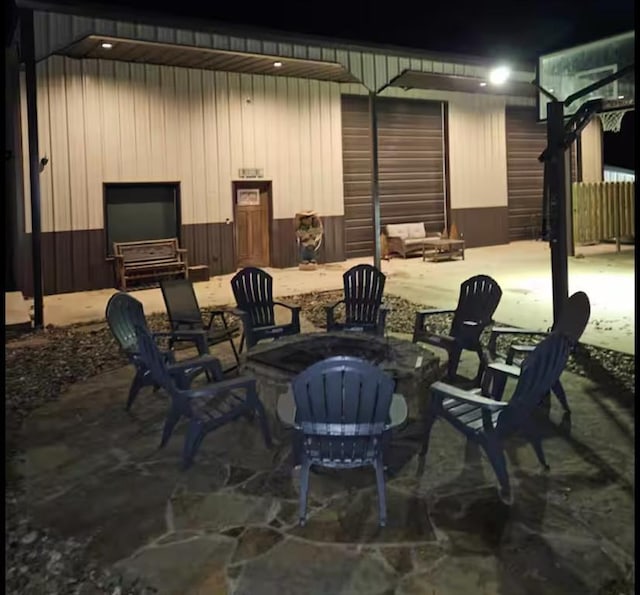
[[398, 230], [414, 241], [416, 230]]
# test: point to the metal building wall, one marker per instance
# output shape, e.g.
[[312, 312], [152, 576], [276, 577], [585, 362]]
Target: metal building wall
[[478, 169], [102, 121]]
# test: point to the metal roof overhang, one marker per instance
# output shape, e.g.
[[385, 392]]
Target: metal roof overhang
[[146, 52], [412, 79]]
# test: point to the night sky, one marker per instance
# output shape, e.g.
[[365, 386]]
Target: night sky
[[509, 30]]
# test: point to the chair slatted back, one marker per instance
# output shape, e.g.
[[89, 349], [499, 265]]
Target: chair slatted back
[[574, 317], [363, 289], [539, 372], [181, 303], [123, 314], [478, 299], [253, 290], [153, 359], [342, 408]]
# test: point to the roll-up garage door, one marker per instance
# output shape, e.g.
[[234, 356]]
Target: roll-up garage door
[[526, 139], [411, 165]]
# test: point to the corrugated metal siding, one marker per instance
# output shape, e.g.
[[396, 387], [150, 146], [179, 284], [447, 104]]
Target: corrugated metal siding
[[526, 139], [102, 121], [374, 68], [477, 152], [410, 146]]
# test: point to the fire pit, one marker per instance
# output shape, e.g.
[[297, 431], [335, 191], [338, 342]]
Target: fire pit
[[275, 364]]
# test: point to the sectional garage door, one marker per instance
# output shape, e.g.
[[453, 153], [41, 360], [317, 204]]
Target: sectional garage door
[[411, 157], [526, 139]]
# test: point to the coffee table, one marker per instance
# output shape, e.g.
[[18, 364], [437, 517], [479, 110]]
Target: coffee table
[[442, 249]]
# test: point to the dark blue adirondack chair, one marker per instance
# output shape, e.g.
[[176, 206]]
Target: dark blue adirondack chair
[[342, 413], [206, 407], [253, 290], [184, 314], [479, 297], [123, 314], [489, 422], [572, 321], [364, 312]]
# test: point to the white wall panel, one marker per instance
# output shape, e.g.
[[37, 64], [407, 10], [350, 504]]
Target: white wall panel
[[102, 121], [477, 152]]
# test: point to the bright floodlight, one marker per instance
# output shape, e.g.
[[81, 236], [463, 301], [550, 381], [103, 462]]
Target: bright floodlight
[[499, 75]]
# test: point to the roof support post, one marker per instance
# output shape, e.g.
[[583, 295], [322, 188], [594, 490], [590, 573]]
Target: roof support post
[[27, 51], [375, 189]]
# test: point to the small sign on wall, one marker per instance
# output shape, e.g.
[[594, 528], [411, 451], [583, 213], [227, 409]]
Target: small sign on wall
[[250, 173], [248, 197]]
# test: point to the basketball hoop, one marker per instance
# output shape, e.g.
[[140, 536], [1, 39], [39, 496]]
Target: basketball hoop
[[612, 113], [612, 121]]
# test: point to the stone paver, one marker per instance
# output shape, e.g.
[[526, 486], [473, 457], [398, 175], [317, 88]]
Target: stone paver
[[229, 524]]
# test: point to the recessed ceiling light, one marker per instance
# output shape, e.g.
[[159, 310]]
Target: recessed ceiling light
[[499, 75], [550, 90], [277, 64], [106, 45], [483, 84], [620, 96]]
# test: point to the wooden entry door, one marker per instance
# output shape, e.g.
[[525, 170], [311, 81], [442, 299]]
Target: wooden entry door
[[252, 211]]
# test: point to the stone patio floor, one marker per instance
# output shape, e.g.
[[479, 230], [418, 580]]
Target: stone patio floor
[[229, 524]]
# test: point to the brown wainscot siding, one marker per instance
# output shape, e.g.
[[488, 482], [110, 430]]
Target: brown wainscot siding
[[210, 244], [486, 226]]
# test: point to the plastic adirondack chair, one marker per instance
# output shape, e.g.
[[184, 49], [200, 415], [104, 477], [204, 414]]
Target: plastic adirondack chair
[[572, 321], [253, 290], [364, 311], [342, 413], [488, 422], [123, 314], [184, 314], [479, 297], [206, 407]]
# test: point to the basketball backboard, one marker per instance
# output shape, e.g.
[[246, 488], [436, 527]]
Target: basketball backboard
[[567, 71]]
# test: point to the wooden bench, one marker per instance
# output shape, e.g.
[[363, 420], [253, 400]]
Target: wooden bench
[[148, 260]]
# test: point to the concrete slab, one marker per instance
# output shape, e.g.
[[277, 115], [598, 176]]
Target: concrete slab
[[522, 269], [16, 311]]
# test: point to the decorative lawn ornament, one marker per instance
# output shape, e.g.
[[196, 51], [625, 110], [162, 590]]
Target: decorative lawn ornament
[[309, 233]]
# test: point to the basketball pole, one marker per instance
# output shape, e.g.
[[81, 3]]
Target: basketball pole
[[557, 186]]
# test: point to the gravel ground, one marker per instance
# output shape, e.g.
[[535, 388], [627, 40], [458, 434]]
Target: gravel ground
[[41, 563]]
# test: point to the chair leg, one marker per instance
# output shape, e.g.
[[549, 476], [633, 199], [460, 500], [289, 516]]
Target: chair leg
[[429, 419], [481, 366], [304, 490], [136, 384], [453, 363], [382, 501], [558, 391], [264, 423], [241, 343], [193, 439], [170, 423], [495, 453], [533, 436]]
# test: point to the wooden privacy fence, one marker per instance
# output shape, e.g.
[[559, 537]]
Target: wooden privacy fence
[[603, 211]]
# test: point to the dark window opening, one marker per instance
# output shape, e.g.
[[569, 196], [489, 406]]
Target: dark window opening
[[137, 212]]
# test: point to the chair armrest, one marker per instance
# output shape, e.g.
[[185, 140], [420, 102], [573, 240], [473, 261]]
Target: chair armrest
[[186, 335], [287, 306], [211, 390], [518, 349], [508, 330], [506, 369], [434, 311], [333, 306], [208, 362], [447, 390], [471, 323]]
